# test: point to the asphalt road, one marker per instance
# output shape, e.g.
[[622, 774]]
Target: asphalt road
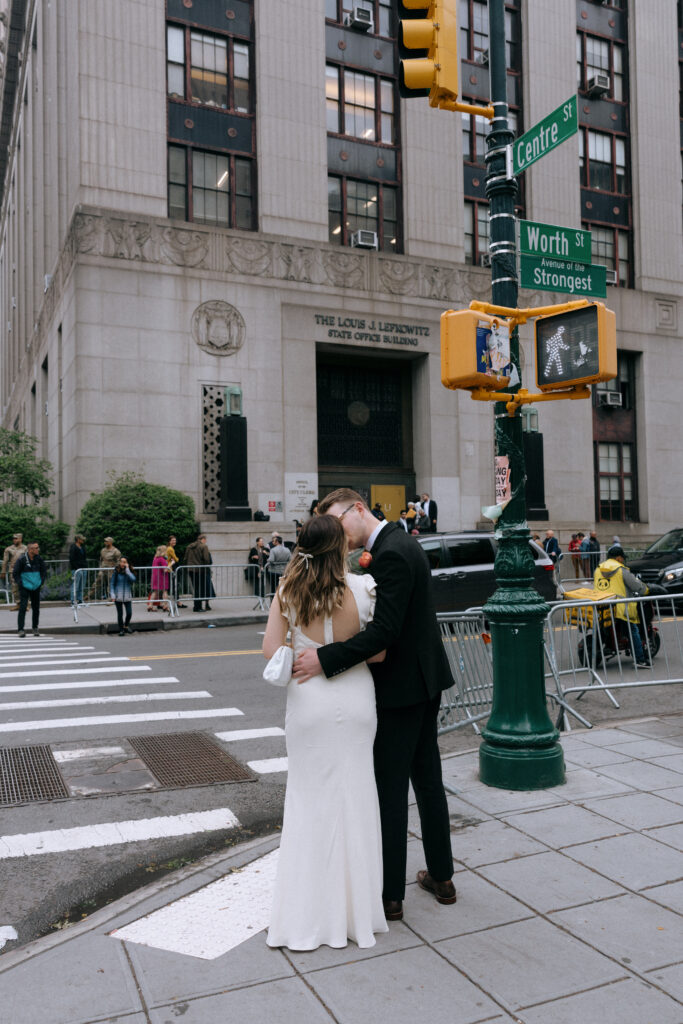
[[110, 690]]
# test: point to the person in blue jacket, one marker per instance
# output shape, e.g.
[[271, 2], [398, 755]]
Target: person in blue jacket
[[121, 593]]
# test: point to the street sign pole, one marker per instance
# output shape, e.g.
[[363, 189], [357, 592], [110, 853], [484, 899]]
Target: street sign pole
[[520, 748]]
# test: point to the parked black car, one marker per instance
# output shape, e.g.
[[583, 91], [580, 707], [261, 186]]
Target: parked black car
[[662, 563], [462, 569]]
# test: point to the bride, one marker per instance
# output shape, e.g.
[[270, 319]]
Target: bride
[[329, 879]]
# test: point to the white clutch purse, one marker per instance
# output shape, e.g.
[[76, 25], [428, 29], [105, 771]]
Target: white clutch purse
[[278, 671]]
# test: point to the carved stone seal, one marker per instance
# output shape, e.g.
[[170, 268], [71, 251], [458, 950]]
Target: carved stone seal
[[218, 328]]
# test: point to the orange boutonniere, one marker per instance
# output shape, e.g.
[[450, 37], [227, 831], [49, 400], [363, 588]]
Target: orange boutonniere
[[365, 560]]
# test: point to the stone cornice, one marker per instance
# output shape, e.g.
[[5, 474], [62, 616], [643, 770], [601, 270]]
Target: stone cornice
[[147, 240]]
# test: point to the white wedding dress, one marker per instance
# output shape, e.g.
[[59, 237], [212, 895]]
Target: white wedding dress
[[329, 878]]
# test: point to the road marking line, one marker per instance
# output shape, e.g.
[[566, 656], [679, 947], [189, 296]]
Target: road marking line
[[87, 684], [269, 765], [4, 658], [60, 661], [248, 734], [210, 922], [113, 833], [7, 934], [204, 654], [150, 716], [62, 756], [72, 702], [74, 671]]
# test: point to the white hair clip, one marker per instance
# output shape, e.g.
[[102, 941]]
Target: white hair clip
[[306, 555]]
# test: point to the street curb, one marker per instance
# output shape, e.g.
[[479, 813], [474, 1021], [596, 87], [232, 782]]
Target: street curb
[[16, 957], [161, 625]]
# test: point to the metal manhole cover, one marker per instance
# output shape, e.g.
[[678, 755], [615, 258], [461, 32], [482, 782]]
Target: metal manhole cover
[[29, 773], [188, 759]]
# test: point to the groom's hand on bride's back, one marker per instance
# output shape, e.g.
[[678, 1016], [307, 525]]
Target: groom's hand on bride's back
[[306, 666]]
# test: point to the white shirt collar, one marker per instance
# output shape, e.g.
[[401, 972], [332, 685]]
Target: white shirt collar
[[375, 533]]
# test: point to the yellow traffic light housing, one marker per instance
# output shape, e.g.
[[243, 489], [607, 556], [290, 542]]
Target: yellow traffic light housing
[[475, 350], [428, 45], [576, 346]]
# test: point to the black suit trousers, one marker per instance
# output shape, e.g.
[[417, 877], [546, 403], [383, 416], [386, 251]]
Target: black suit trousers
[[406, 750]]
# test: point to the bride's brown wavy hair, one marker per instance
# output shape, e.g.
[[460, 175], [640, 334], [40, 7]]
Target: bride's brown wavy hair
[[314, 583]]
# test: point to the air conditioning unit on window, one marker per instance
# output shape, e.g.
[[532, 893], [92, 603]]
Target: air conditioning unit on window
[[360, 19], [485, 259], [598, 85], [611, 276], [482, 57], [364, 240], [611, 398]]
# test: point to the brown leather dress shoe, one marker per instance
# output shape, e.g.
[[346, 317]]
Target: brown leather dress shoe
[[393, 910], [444, 892]]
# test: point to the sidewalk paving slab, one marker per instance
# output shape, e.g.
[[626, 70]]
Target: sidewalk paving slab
[[570, 910]]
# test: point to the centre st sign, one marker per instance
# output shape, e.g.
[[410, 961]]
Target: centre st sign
[[554, 129], [550, 240]]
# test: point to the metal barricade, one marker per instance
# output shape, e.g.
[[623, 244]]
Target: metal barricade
[[467, 646], [203, 583], [590, 645], [91, 587]]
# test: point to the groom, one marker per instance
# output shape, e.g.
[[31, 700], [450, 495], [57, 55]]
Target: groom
[[408, 685]]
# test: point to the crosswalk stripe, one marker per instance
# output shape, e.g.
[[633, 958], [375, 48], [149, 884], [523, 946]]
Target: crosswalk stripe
[[82, 684], [60, 661], [74, 671], [152, 716], [70, 702], [269, 765], [248, 734], [113, 833], [9, 652], [210, 922]]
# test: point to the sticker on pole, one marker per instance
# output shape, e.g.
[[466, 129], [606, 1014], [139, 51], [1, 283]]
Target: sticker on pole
[[475, 351], [503, 484]]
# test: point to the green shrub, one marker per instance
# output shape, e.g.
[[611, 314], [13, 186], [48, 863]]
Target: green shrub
[[35, 522], [139, 516]]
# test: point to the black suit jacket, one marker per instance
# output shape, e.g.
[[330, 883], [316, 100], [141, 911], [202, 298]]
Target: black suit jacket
[[415, 668], [431, 510]]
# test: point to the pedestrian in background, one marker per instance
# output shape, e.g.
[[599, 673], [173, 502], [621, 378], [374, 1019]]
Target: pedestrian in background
[[160, 577], [109, 558], [198, 560], [29, 574], [551, 546], [121, 593], [278, 557], [430, 508], [9, 557], [257, 558], [574, 547], [78, 559], [593, 552], [173, 563]]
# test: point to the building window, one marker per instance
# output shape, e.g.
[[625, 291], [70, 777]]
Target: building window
[[605, 168], [210, 188], [610, 247], [209, 69], [336, 10], [362, 205], [596, 56], [616, 482], [476, 231], [623, 383], [363, 104]]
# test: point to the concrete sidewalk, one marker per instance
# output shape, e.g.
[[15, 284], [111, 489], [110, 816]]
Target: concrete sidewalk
[[101, 618], [570, 910]]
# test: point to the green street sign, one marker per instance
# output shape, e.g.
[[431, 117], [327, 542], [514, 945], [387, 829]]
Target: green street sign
[[547, 274], [554, 129], [549, 240]]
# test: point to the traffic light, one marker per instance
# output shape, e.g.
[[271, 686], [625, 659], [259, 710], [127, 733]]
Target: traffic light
[[475, 350], [428, 47], [578, 346]]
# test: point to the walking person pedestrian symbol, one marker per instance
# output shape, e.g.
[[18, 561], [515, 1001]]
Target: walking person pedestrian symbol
[[553, 346]]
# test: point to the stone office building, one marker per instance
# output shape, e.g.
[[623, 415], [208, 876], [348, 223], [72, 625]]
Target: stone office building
[[224, 201]]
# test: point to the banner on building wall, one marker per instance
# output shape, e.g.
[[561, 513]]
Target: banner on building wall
[[300, 490], [271, 504]]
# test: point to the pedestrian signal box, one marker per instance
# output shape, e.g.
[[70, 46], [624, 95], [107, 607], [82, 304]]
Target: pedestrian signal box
[[578, 346], [475, 350]]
